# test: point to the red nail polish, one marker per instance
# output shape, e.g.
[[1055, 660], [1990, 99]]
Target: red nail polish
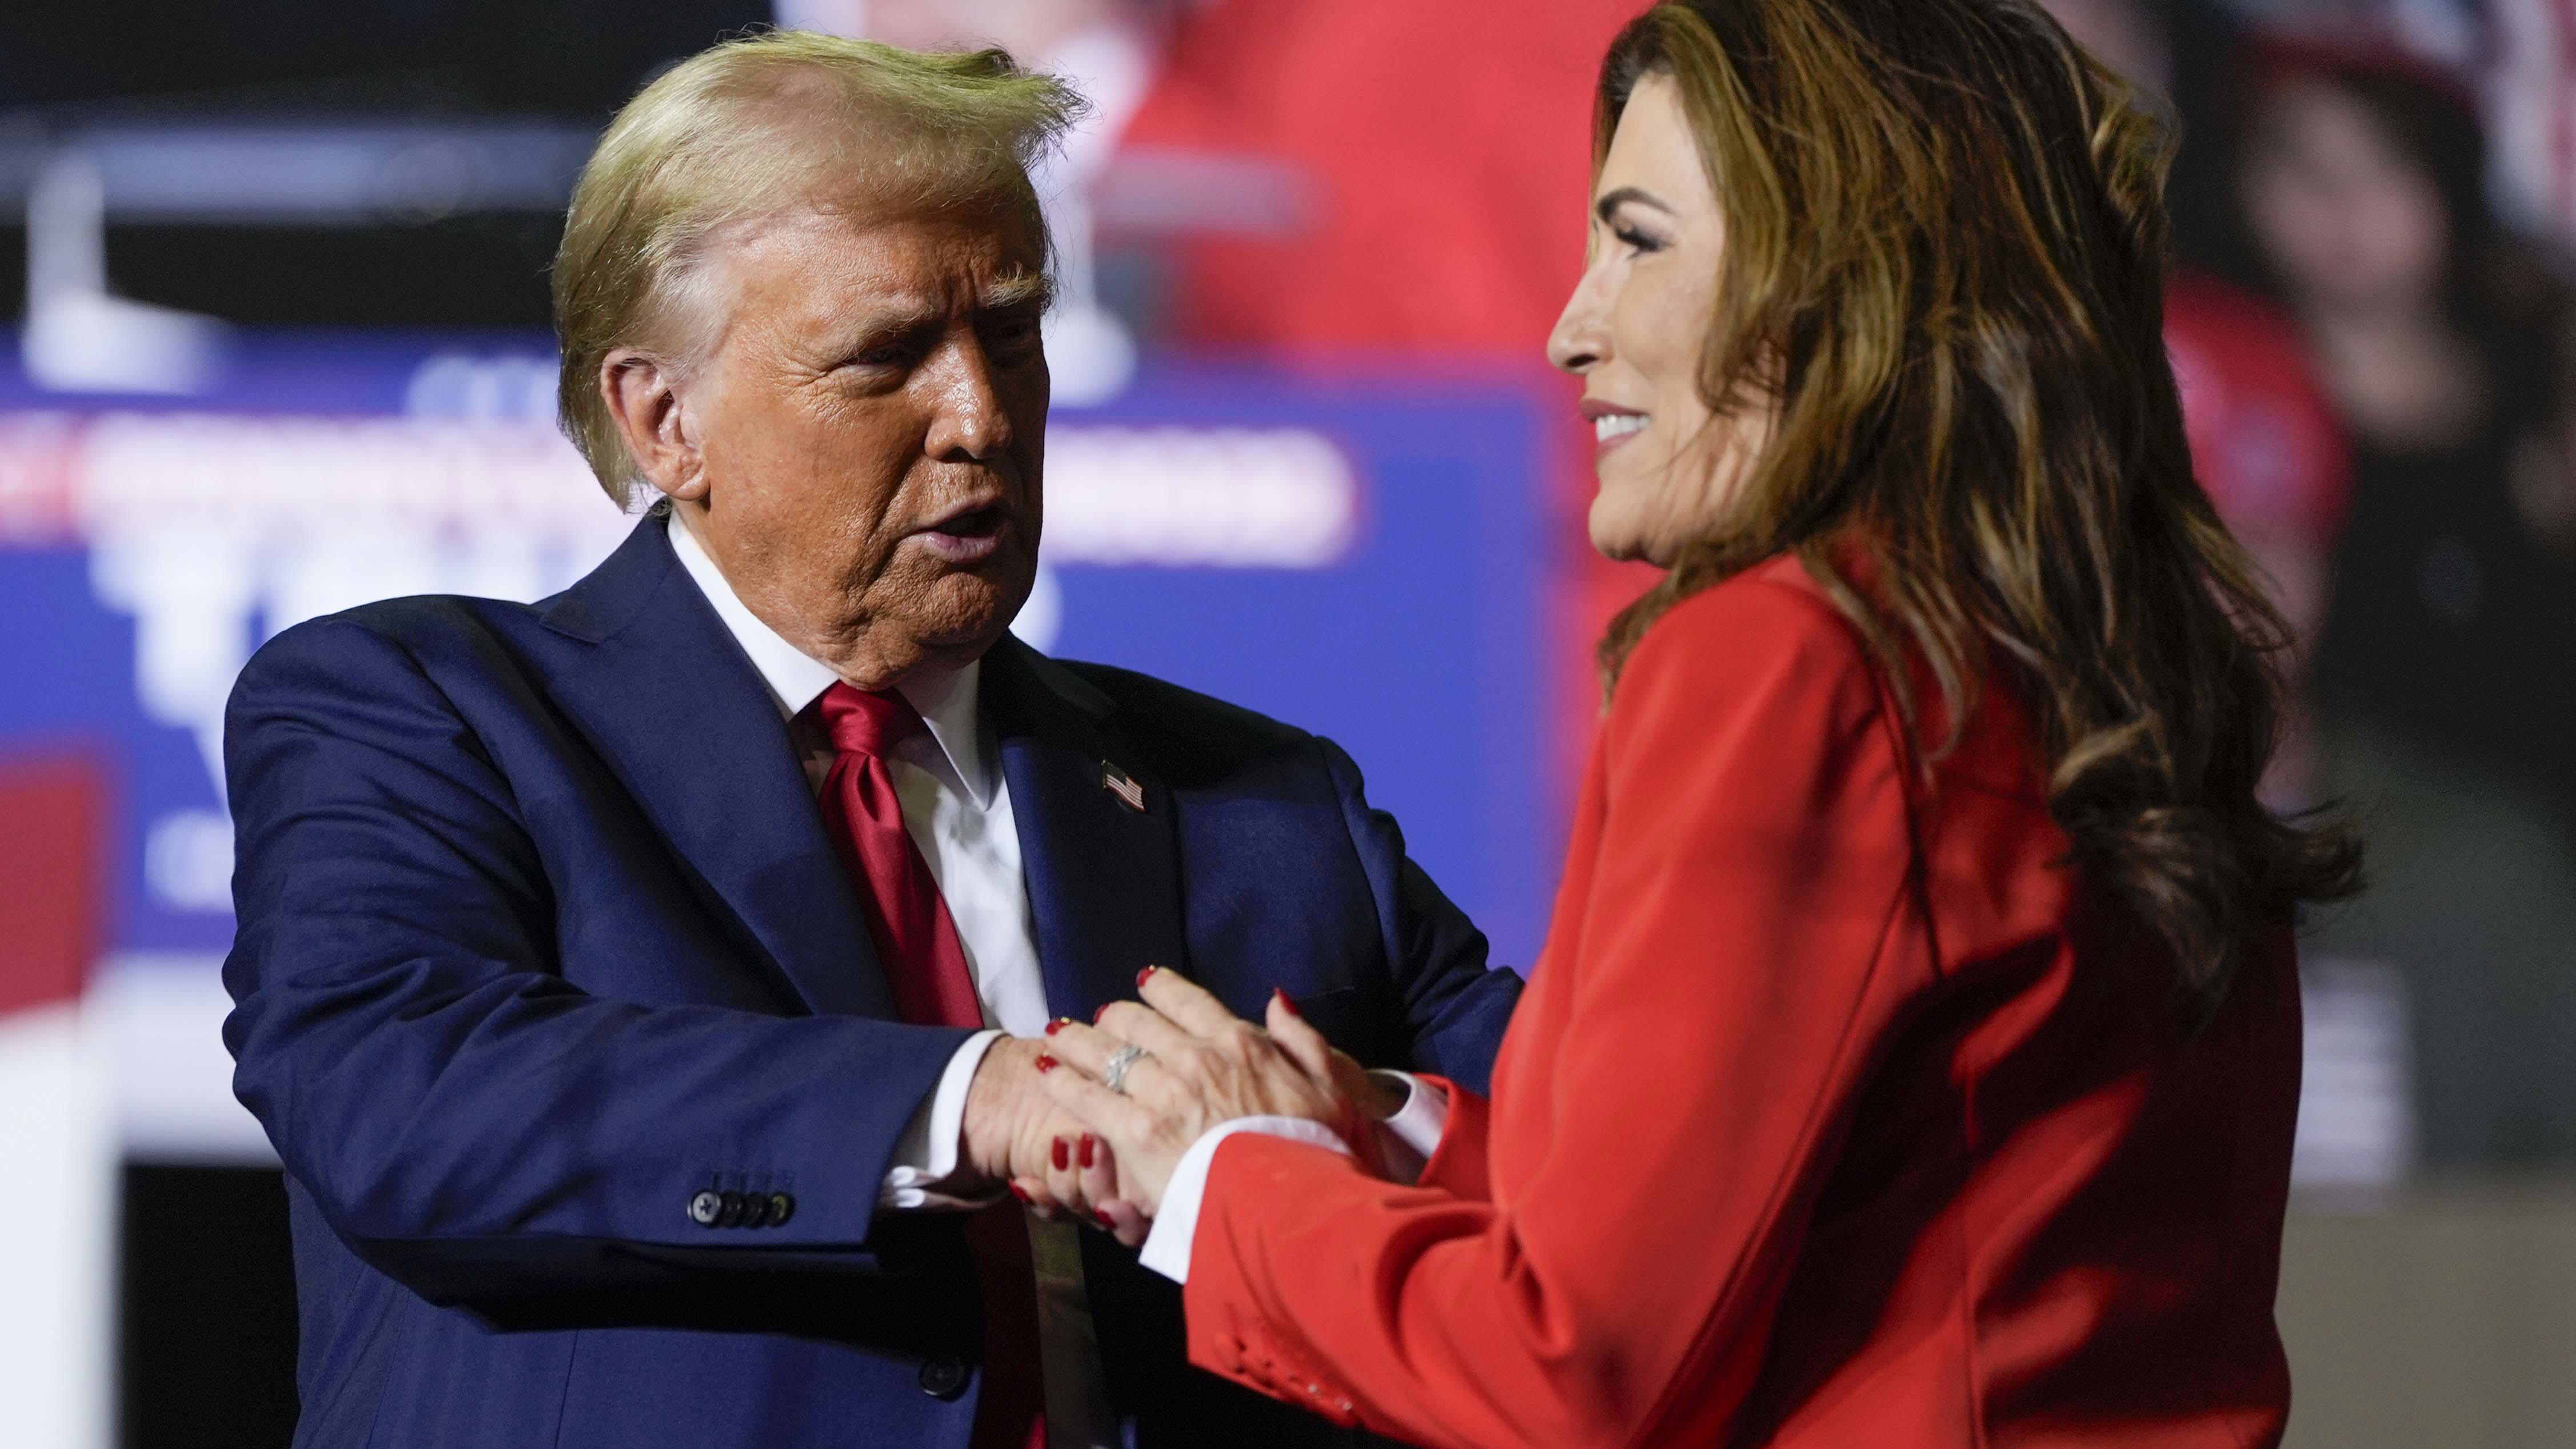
[[1063, 1155], [1104, 1011], [1046, 1064], [1086, 1151], [1053, 1027], [1289, 1006], [1022, 1194], [1141, 975], [1104, 1219]]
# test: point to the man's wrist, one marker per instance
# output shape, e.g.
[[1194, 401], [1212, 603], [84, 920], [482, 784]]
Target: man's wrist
[[925, 1172], [994, 1101]]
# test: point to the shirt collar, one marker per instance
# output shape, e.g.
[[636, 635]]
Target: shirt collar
[[949, 700]]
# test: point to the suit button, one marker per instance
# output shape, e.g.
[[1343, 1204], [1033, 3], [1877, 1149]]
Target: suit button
[[944, 1378], [730, 1216], [705, 1208], [781, 1208]]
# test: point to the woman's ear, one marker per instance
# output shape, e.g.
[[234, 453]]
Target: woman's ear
[[649, 399]]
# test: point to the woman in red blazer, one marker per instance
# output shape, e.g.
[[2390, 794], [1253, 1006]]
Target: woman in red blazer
[[1914, 1054]]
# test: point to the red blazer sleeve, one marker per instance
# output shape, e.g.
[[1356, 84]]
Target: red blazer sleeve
[[1728, 948], [1457, 1164]]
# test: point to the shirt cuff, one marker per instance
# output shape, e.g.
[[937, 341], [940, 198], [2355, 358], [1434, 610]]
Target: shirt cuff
[[1408, 1138], [925, 1157], [1167, 1245]]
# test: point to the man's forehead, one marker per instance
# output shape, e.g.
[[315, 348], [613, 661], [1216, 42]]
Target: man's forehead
[[942, 259]]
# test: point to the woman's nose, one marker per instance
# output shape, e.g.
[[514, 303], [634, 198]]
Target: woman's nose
[[1579, 340]]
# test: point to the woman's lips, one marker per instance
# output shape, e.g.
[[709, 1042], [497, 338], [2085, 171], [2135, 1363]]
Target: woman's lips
[[1611, 429]]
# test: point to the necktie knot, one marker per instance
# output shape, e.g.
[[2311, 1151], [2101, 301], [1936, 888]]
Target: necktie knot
[[866, 724]]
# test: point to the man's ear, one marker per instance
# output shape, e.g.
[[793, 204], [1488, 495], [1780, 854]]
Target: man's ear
[[649, 399]]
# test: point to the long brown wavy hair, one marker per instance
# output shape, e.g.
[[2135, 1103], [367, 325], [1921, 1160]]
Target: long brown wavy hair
[[1944, 252]]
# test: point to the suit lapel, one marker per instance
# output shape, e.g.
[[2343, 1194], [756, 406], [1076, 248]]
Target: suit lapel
[[1104, 878], [682, 717]]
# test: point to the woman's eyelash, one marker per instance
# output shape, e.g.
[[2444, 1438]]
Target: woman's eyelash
[[1630, 236]]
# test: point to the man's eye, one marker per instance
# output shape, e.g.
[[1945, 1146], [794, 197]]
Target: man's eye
[[892, 354], [1013, 333]]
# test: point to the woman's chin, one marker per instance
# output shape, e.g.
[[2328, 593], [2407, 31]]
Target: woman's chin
[[1621, 541]]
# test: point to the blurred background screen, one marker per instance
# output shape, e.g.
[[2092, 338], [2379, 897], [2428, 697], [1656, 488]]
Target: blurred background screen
[[282, 348]]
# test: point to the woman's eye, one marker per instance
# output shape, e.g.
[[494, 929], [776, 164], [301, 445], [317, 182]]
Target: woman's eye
[[1637, 241]]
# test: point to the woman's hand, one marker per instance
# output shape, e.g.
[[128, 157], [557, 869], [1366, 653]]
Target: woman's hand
[[1202, 1065], [1076, 1180]]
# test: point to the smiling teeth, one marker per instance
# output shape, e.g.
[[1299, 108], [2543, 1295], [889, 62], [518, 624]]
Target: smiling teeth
[[1618, 425]]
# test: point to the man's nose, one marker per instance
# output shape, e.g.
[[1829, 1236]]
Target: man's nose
[[969, 418]]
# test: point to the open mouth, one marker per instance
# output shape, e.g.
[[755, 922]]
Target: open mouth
[[1617, 428], [1612, 425], [981, 522], [969, 535]]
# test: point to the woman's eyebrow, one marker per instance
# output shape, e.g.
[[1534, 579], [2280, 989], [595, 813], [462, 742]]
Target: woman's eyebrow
[[1611, 201]]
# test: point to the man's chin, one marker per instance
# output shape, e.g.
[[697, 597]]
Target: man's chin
[[970, 609]]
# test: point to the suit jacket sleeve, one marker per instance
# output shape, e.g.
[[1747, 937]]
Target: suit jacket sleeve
[[1453, 1005], [1655, 1158], [466, 1119]]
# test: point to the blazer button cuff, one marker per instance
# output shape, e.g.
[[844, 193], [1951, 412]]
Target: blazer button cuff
[[944, 1378], [705, 1208], [782, 1206]]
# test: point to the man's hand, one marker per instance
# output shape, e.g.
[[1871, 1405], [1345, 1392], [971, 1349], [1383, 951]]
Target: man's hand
[[1017, 1137]]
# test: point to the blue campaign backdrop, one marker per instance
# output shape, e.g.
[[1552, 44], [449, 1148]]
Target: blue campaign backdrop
[[1419, 643]]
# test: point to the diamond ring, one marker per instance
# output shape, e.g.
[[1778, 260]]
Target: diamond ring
[[1113, 1073]]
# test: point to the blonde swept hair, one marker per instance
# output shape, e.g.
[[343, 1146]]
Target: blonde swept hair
[[759, 126]]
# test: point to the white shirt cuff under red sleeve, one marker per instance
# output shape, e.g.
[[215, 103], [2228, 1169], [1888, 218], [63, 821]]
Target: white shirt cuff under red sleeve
[[1167, 1245], [1406, 1139]]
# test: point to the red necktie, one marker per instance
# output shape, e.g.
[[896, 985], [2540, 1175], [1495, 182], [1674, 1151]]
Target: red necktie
[[925, 967]]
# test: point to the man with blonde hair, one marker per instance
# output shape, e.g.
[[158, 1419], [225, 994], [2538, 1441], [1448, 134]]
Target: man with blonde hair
[[643, 988]]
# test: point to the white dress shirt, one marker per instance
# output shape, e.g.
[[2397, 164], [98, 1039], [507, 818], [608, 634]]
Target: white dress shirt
[[957, 808]]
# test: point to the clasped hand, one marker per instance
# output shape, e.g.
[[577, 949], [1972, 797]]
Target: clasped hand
[[1202, 1065]]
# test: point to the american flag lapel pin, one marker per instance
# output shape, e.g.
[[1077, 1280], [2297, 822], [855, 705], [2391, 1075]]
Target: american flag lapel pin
[[1123, 785]]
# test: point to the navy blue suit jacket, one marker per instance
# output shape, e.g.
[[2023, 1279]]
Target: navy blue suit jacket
[[540, 938]]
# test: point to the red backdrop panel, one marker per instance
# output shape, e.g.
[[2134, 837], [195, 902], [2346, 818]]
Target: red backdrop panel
[[53, 814]]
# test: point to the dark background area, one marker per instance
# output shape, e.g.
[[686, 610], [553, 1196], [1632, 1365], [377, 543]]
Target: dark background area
[[471, 271], [570, 58], [271, 62], [206, 1308]]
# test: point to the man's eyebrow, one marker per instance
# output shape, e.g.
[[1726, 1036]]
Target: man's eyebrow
[[1611, 201], [901, 314], [904, 315], [1026, 290]]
